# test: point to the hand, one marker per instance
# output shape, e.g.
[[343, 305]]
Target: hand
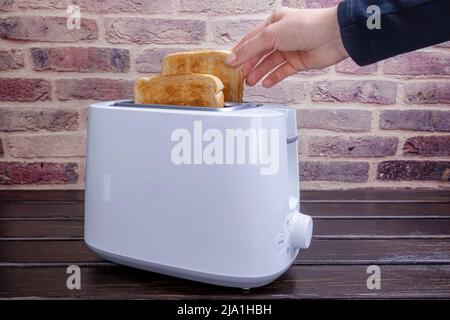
[[289, 41]]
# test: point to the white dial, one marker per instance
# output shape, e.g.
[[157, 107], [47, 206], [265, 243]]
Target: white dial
[[301, 232]]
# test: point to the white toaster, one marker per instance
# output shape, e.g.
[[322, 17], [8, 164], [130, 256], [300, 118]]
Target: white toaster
[[210, 195]]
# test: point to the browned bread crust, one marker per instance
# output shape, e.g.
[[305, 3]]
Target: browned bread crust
[[202, 90], [208, 62]]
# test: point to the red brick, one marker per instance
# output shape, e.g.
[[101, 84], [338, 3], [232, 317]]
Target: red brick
[[125, 6], [94, 89], [350, 67], [427, 146], [227, 7], [81, 59], [365, 146], [47, 146], [427, 92], [416, 120], [20, 173], [343, 171], [231, 31], [150, 60], [23, 90], [345, 120], [287, 91], [52, 29], [21, 119], [419, 63], [399, 170], [6, 5], [143, 31], [11, 59], [364, 91]]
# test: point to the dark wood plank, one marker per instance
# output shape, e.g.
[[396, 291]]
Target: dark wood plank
[[380, 227], [415, 251], [331, 228], [70, 251], [374, 209], [384, 195], [306, 195], [41, 229], [42, 195], [113, 282], [349, 209], [41, 210]]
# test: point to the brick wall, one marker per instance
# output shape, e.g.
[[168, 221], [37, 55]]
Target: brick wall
[[385, 125]]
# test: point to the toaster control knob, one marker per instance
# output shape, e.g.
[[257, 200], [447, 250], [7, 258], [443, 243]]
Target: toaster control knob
[[301, 234]]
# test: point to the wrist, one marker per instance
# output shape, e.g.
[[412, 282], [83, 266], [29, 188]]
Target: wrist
[[335, 30]]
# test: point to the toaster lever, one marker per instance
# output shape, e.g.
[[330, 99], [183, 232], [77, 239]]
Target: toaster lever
[[301, 232]]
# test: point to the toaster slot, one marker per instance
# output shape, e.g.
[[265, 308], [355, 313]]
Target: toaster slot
[[229, 106]]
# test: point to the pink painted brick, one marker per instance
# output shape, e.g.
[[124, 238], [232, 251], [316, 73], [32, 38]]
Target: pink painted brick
[[365, 146], [6, 5], [21, 173], [419, 63], [150, 60], [231, 31], [81, 59], [52, 29], [227, 7], [398, 170], [350, 67], [293, 3], [11, 59], [427, 92], [342, 120], [24, 119], [144, 31], [127, 6], [416, 120], [344, 171], [363, 91], [321, 3], [47, 146], [43, 4], [94, 89], [444, 45], [24, 90], [427, 146], [284, 92]]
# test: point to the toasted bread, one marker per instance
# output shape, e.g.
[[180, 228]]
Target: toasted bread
[[209, 62], [202, 90]]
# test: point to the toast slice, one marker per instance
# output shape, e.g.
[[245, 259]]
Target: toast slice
[[202, 90], [209, 62]]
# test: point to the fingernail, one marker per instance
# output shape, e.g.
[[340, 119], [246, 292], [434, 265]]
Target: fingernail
[[231, 59]]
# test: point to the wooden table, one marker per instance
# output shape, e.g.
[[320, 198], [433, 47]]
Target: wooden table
[[405, 233]]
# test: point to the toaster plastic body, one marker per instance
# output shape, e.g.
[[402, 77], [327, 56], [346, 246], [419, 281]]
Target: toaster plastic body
[[225, 223]]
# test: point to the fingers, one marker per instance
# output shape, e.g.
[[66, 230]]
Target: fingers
[[251, 48], [250, 65], [282, 72], [269, 63], [251, 33]]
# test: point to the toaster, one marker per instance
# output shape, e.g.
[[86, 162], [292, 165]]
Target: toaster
[[205, 194]]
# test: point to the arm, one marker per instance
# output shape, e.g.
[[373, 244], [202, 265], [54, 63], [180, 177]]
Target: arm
[[406, 25]]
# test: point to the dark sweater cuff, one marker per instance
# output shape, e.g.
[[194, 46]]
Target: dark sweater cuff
[[354, 39]]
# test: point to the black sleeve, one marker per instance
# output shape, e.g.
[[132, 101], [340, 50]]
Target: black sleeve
[[406, 25]]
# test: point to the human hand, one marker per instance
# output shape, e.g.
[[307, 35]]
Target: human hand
[[289, 41]]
